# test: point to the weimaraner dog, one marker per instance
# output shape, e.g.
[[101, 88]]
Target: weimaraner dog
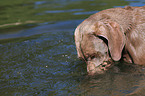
[[112, 35]]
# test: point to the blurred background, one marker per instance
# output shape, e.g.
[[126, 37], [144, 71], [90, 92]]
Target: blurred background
[[38, 55]]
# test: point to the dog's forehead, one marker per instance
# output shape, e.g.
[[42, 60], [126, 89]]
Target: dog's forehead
[[87, 27]]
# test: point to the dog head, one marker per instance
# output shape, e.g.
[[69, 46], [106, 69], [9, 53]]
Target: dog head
[[99, 41]]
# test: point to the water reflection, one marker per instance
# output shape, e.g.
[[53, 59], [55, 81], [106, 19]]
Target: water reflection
[[127, 81], [62, 11], [46, 27], [39, 58], [89, 12], [136, 2]]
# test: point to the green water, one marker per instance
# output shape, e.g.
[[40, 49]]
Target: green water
[[38, 55]]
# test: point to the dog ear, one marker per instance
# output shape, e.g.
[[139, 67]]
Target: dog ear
[[78, 38], [116, 38]]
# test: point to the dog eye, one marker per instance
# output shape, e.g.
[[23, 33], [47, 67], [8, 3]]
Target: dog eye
[[104, 39], [92, 57]]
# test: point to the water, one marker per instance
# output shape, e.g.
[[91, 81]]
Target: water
[[38, 55]]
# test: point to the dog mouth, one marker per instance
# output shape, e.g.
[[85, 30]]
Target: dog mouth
[[94, 68]]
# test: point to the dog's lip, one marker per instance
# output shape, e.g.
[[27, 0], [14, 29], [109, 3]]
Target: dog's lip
[[93, 67], [92, 62], [104, 64]]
